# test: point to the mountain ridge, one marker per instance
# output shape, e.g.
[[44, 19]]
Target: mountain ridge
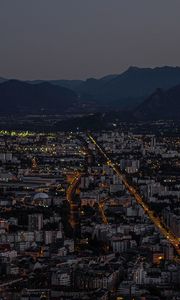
[[123, 91]]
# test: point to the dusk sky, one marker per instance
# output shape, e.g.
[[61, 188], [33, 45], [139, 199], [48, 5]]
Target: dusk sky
[[76, 39]]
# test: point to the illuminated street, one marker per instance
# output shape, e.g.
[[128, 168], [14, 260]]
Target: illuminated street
[[155, 219]]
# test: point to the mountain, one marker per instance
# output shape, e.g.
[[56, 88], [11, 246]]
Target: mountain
[[21, 97], [124, 91], [160, 105], [129, 88], [70, 84]]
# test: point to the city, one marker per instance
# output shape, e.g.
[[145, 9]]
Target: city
[[87, 215], [89, 150]]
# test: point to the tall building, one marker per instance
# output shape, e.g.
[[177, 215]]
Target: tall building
[[153, 142], [35, 222]]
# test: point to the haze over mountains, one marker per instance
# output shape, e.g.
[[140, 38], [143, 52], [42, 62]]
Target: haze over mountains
[[130, 90]]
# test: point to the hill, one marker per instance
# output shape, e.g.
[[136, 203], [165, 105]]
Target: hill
[[70, 84], [160, 105], [96, 121], [21, 97]]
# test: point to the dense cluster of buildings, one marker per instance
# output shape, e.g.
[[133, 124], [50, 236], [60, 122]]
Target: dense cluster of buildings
[[69, 229]]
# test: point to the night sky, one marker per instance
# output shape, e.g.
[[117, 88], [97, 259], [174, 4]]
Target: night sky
[[76, 39]]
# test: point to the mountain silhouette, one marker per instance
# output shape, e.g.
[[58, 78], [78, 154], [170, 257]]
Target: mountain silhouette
[[21, 97]]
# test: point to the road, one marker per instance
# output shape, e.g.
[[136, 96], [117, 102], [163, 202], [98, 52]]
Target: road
[[101, 210], [88, 153], [166, 232], [73, 186], [70, 197], [9, 283]]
